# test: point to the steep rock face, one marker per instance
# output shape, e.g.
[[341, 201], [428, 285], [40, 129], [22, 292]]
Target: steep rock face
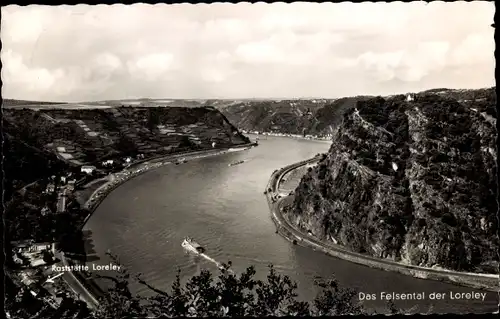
[[413, 181]]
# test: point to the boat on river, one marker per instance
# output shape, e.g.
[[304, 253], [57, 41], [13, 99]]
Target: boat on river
[[191, 245], [181, 160], [237, 163]]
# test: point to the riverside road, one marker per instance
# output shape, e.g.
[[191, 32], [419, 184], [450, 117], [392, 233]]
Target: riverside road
[[76, 286], [480, 281]]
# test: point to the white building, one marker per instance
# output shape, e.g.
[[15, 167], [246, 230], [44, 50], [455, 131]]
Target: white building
[[71, 185], [50, 188], [409, 97], [40, 247], [88, 169], [107, 162], [395, 166]]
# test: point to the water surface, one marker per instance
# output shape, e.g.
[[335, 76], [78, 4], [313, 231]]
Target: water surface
[[223, 207]]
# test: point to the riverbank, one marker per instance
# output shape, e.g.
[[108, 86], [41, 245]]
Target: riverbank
[[295, 136], [116, 179], [488, 282]]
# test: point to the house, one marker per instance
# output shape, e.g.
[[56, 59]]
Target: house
[[27, 280], [35, 262], [50, 188], [17, 258], [88, 169], [36, 290], [40, 246], [45, 211], [22, 244], [51, 302], [63, 179], [107, 162], [128, 160], [71, 185], [409, 97]]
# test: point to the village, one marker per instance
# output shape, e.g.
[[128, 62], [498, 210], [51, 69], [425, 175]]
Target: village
[[41, 267], [325, 137]]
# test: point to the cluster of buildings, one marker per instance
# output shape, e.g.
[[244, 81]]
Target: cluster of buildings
[[33, 260], [88, 169], [308, 136], [27, 253], [56, 183]]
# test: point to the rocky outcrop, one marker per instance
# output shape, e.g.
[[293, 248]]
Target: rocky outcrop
[[414, 182]]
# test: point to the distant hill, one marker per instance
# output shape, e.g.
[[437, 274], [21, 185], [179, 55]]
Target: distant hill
[[314, 117], [462, 95], [40, 141], [317, 116], [26, 103]]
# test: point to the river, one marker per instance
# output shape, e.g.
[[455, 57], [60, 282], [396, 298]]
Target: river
[[223, 207]]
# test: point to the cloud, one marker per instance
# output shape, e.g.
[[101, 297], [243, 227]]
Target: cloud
[[475, 48], [382, 66], [408, 65], [246, 50], [17, 74], [152, 66]]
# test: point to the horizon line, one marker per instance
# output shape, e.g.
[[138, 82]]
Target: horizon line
[[241, 98]]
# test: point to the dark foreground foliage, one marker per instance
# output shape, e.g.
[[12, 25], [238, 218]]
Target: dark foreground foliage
[[228, 295], [204, 295]]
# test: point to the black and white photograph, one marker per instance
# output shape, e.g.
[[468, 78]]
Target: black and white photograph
[[249, 159]]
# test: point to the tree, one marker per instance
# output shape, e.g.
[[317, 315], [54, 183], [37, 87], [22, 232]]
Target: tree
[[335, 300], [227, 295], [203, 295], [153, 119], [126, 145], [47, 256]]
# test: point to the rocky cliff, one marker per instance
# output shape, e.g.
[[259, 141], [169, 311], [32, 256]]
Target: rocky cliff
[[412, 181]]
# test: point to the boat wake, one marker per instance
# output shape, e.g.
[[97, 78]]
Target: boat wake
[[192, 246]]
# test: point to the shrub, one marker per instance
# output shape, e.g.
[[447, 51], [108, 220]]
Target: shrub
[[421, 223], [449, 219]]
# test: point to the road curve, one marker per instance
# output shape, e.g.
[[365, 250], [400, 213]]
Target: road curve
[[488, 282]]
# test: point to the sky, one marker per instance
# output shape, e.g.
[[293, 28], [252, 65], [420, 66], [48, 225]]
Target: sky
[[93, 53]]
